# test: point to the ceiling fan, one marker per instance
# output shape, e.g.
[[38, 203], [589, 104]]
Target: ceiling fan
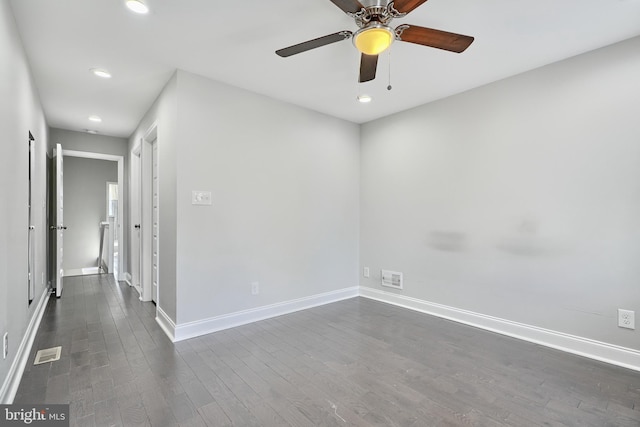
[[375, 35]]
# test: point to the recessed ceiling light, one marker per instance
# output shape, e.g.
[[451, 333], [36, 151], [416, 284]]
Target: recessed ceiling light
[[91, 131], [137, 6], [364, 98], [100, 72], [96, 119]]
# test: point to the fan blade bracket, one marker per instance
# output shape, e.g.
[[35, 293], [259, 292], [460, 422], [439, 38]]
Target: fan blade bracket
[[392, 11], [361, 15]]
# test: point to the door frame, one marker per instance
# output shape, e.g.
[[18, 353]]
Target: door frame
[[119, 275], [111, 251], [143, 151], [58, 218], [146, 214], [31, 251], [135, 215]]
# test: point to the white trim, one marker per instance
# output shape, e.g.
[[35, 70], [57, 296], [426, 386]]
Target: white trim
[[85, 271], [127, 278], [91, 155], [165, 322], [206, 326], [69, 272], [604, 352], [135, 213], [146, 212], [12, 381], [152, 132]]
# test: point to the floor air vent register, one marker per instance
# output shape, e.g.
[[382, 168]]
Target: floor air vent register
[[47, 355]]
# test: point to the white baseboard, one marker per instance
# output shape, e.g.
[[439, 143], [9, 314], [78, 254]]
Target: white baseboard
[[604, 352], [128, 278], [12, 381], [70, 272], [206, 326], [86, 271], [165, 322]]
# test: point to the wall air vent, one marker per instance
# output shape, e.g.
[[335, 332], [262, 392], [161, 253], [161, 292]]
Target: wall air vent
[[391, 279]]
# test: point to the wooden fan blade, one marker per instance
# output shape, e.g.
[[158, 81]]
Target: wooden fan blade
[[434, 38], [368, 65], [406, 6], [312, 44], [349, 6]]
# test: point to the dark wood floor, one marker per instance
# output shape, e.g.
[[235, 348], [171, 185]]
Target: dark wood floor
[[356, 362]]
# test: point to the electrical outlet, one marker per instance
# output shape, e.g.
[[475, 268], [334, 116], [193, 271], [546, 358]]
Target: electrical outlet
[[626, 319], [255, 288], [365, 272], [5, 345]]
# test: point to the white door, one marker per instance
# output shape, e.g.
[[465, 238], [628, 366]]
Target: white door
[[154, 244], [136, 219], [32, 288], [59, 217]]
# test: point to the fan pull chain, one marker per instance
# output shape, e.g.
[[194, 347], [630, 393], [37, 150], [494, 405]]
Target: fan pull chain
[[389, 87]]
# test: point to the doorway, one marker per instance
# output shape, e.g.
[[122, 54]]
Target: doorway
[[30, 233], [117, 218], [145, 198], [136, 218], [113, 246]]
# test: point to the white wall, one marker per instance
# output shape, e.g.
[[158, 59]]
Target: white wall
[[20, 112], [284, 184], [519, 200], [85, 206]]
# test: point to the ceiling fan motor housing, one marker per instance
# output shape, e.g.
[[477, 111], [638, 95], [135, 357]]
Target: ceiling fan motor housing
[[382, 13]]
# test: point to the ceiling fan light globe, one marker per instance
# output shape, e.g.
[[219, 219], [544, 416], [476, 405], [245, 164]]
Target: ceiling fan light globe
[[373, 40]]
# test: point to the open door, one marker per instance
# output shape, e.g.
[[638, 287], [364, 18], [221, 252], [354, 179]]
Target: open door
[[58, 218], [154, 218], [31, 245]]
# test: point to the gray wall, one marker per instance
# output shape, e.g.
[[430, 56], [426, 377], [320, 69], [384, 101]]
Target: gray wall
[[85, 204], [164, 113], [519, 200], [284, 183], [20, 112]]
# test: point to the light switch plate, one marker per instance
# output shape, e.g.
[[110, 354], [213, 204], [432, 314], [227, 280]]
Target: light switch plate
[[200, 197]]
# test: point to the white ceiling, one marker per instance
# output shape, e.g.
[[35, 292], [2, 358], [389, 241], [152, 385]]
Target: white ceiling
[[234, 42]]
